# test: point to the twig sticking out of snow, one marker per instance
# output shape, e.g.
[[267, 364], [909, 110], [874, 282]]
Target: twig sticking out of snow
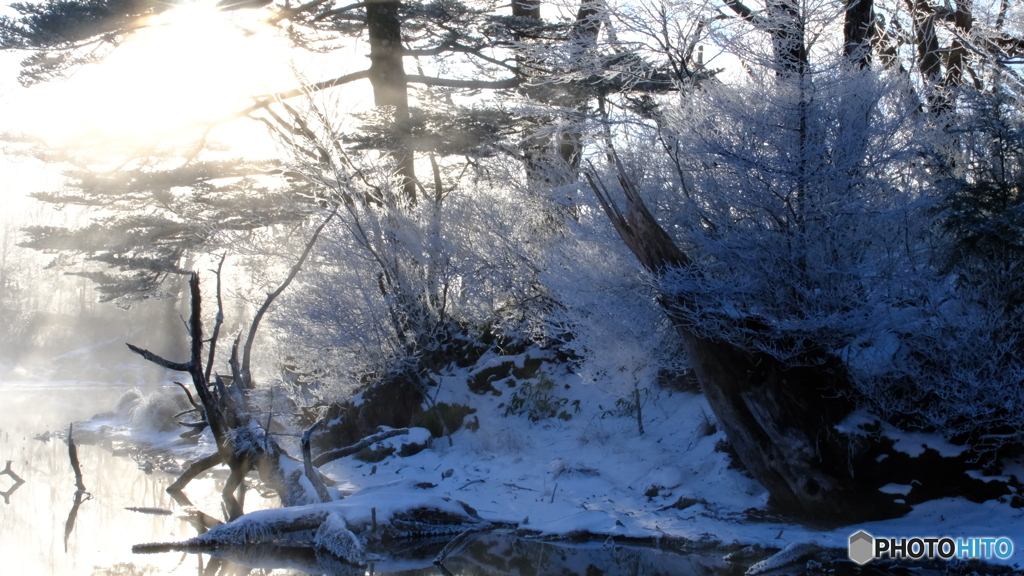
[[470, 482]]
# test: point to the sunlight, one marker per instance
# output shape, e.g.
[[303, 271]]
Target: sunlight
[[188, 67]]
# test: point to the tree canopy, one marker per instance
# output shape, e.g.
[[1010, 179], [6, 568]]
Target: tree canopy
[[824, 198]]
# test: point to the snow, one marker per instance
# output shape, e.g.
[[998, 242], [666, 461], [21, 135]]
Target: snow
[[595, 474], [334, 536], [891, 488], [587, 474], [912, 443]]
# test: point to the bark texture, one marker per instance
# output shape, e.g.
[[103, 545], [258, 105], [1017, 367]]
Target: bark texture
[[389, 81]]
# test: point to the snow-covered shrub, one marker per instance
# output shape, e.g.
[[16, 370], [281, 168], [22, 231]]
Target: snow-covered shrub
[[804, 235], [394, 278], [807, 208], [536, 401]]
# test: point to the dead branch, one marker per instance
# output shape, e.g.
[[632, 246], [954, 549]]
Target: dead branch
[[218, 321], [191, 400], [159, 360], [73, 455], [195, 469], [247, 349], [333, 455], [311, 473]]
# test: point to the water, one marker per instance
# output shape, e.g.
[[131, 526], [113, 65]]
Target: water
[[120, 475], [33, 523]]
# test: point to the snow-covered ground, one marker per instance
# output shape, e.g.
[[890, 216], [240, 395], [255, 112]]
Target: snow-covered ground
[[592, 472]]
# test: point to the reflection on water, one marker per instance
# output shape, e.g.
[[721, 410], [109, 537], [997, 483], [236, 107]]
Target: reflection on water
[[497, 554], [32, 523], [129, 506], [491, 554]]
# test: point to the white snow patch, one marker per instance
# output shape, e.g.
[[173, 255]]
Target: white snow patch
[[915, 443], [858, 422], [980, 475], [901, 489], [506, 470]]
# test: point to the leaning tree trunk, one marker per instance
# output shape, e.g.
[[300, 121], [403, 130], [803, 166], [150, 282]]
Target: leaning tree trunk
[[779, 418]]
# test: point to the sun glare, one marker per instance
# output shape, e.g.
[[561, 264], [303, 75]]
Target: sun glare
[[188, 67]]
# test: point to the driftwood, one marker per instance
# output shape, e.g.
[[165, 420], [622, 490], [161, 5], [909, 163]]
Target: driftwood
[[241, 442], [240, 446]]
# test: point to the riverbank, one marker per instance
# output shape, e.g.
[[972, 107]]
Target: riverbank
[[561, 458]]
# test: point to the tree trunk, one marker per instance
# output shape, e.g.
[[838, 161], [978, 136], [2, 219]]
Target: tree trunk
[[786, 26], [964, 21], [779, 418], [858, 30], [390, 87]]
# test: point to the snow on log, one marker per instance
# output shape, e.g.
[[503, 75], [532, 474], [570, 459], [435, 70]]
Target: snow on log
[[334, 536], [343, 526], [789, 555]]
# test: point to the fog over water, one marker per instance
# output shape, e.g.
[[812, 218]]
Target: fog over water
[[32, 523]]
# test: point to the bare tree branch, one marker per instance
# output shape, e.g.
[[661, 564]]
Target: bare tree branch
[[268, 99], [159, 360], [217, 322], [247, 349], [195, 469], [472, 84], [312, 474], [349, 450]]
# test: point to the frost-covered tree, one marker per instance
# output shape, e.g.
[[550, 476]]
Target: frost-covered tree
[[802, 224]]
